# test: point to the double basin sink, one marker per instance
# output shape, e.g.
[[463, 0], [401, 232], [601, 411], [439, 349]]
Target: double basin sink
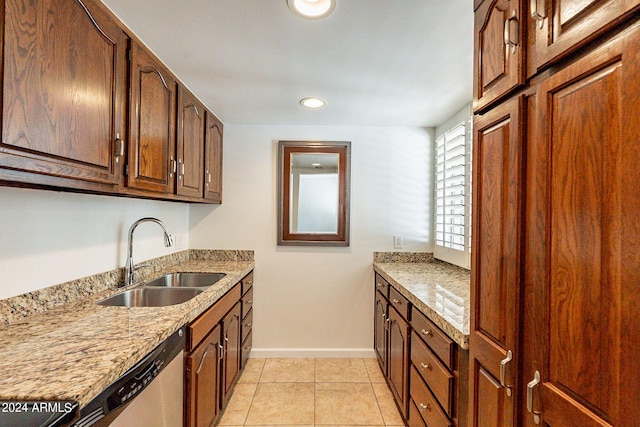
[[170, 289]]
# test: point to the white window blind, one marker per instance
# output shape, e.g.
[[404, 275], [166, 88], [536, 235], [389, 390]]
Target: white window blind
[[453, 193]]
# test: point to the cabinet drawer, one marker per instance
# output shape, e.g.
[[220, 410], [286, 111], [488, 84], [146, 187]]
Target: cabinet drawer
[[382, 286], [247, 323], [246, 349], [437, 340], [415, 419], [247, 303], [399, 302], [434, 373], [247, 283], [426, 403], [200, 328]]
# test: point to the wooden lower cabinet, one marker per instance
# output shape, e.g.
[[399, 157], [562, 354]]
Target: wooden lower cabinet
[[214, 358], [231, 346], [398, 373], [425, 370], [203, 381]]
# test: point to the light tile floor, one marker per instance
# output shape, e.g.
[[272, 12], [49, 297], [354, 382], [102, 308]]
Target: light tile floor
[[311, 392]]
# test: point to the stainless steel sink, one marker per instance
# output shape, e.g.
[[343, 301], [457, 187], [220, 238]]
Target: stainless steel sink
[[151, 297], [185, 280]]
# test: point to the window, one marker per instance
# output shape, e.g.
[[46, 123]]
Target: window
[[453, 190]]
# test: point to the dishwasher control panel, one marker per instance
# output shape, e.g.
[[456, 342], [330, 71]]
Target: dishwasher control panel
[[133, 382]]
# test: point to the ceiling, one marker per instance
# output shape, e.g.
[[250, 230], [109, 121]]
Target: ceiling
[[375, 62]]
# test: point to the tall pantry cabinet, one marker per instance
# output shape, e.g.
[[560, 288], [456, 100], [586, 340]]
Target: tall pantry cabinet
[[555, 297]]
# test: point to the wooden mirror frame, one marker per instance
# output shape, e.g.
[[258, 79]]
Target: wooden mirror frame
[[285, 150]]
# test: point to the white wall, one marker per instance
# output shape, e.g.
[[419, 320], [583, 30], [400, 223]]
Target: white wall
[[310, 300], [50, 237]]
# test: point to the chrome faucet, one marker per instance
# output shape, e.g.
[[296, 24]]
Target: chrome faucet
[[129, 267]]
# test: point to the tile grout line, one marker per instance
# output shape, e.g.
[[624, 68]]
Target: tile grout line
[[246, 417]]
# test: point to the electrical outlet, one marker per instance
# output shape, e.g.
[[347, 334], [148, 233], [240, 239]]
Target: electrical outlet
[[178, 240], [397, 242]]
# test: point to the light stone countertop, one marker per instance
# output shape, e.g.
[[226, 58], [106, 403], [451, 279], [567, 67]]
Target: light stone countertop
[[74, 351], [439, 290]]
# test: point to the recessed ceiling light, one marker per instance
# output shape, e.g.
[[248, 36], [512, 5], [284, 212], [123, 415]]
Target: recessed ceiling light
[[312, 9], [313, 102]]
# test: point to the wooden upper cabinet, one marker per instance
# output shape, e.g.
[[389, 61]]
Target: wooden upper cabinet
[[499, 51], [62, 101], [582, 277], [190, 145], [559, 27], [213, 159], [495, 275], [152, 140]]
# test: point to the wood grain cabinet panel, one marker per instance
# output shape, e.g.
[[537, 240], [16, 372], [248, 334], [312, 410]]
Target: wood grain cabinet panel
[[190, 145], [62, 99], [495, 275], [231, 342], [213, 159], [498, 51], [380, 326], [152, 139], [202, 381], [583, 254], [560, 27], [398, 359]]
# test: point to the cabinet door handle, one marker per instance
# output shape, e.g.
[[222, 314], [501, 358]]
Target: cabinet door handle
[[396, 301], [507, 32], [503, 369], [119, 147], [221, 354], [173, 166], [204, 356], [248, 325], [425, 366], [249, 302], [535, 13], [530, 386], [424, 407], [426, 332]]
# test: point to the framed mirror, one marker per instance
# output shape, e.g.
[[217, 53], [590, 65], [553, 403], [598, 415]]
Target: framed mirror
[[313, 193]]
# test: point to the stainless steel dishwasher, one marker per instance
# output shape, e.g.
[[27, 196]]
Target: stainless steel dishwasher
[[148, 395]]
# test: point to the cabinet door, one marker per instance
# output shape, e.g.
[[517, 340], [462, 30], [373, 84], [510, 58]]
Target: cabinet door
[[495, 265], [398, 370], [380, 330], [203, 386], [561, 26], [190, 145], [213, 159], [62, 99], [499, 54], [231, 359], [584, 297], [152, 124]]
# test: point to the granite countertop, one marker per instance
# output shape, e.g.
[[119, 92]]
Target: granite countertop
[[439, 290], [75, 350]]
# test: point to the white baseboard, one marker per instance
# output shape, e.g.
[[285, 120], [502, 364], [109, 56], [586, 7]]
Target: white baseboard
[[315, 353]]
